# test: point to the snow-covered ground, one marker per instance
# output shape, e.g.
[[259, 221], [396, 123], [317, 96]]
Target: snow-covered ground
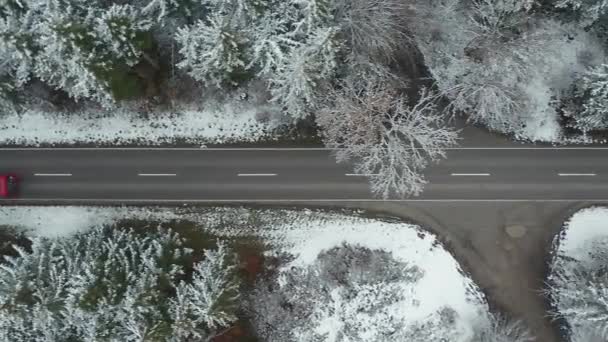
[[582, 231], [304, 235], [577, 280], [215, 124]]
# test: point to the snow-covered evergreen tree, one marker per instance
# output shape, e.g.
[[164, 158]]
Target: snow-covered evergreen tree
[[113, 284], [162, 8], [273, 40], [588, 11], [302, 76], [592, 90], [80, 47], [210, 299], [122, 29], [212, 50], [312, 15], [69, 54]]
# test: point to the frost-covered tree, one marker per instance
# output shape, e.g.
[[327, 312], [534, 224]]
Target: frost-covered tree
[[210, 299], [355, 288], [122, 29], [490, 93], [588, 11], [494, 328], [116, 285], [66, 59], [312, 15], [373, 27], [579, 291], [373, 125], [273, 40], [17, 44], [302, 76], [501, 63], [212, 50], [592, 90], [82, 48], [164, 8], [87, 51]]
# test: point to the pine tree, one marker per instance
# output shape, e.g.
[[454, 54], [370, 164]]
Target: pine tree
[[313, 15], [112, 284], [592, 89], [212, 50], [17, 44], [210, 300], [301, 76], [272, 40]]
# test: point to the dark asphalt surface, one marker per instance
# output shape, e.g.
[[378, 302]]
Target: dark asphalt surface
[[299, 174]]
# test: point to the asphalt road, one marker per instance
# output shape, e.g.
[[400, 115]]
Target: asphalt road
[[297, 174]]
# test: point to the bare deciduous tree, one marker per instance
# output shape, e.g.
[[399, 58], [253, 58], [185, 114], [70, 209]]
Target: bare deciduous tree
[[495, 328], [372, 125], [374, 27]]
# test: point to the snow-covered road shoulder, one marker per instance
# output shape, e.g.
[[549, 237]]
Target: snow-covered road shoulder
[[216, 124]]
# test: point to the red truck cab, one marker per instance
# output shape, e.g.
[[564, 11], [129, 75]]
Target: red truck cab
[[8, 185]]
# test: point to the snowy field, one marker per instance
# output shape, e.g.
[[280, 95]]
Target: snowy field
[[216, 124], [440, 285], [578, 281]]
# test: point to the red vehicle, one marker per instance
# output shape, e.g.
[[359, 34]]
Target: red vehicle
[[8, 185]]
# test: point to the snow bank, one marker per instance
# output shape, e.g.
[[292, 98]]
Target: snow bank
[[221, 123]]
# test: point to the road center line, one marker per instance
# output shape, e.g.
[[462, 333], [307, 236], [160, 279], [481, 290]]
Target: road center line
[[157, 174], [361, 174], [470, 174], [257, 174], [576, 174], [52, 174]]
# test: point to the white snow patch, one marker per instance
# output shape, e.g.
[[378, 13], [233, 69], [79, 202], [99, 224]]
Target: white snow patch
[[443, 283], [219, 123], [584, 229], [58, 221]]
